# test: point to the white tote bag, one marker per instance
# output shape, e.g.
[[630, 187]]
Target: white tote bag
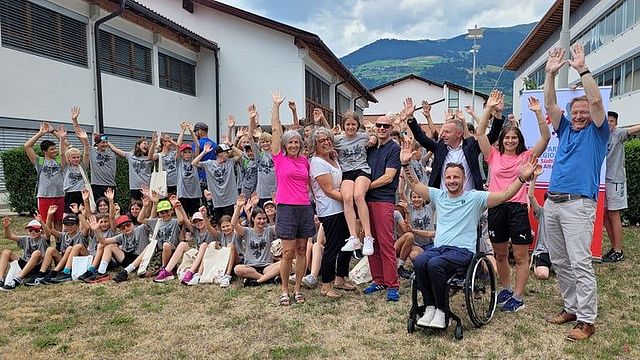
[[215, 263], [149, 250], [80, 265], [159, 179], [187, 260], [361, 273], [14, 270]]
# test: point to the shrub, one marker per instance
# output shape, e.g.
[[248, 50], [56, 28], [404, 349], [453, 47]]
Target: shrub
[[122, 184], [20, 180], [632, 166]]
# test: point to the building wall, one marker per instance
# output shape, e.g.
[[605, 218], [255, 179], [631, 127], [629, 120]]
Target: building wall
[[390, 98]]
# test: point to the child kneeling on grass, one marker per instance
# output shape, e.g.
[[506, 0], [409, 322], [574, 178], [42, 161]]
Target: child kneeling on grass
[[33, 246]]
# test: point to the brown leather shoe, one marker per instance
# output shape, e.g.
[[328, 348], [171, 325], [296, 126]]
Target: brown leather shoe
[[582, 331], [562, 318]]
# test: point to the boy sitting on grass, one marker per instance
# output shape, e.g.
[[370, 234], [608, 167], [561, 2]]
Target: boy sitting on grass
[[33, 246]]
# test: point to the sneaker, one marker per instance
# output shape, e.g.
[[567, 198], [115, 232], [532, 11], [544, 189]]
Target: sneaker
[[188, 275], [393, 294], [61, 277], [352, 244], [48, 279], [404, 273], [439, 320], [429, 312], [34, 281], [9, 286], [250, 282], [123, 275], [99, 278], [562, 318], [1, 283], [195, 280], [504, 295], [582, 331], [88, 276], [512, 305], [367, 248], [614, 256], [163, 276], [225, 281], [608, 254], [373, 288], [309, 281]]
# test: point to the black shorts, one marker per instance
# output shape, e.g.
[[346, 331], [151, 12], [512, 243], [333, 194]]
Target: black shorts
[[135, 194], [543, 259], [510, 221], [295, 222], [259, 269], [221, 211], [73, 197], [354, 174], [190, 205], [172, 190], [33, 271], [129, 257], [98, 190]]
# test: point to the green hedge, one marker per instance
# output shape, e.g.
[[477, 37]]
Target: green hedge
[[20, 180], [632, 166]]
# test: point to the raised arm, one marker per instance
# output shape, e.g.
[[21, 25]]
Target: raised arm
[[596, 106], [110, 195], [231, 123], [28, 146], [183, 127], [276, 125], [426, 111], [545, 134], [95, 226], [151, 154], [235, 219], [319, 119], [526, 173], [64, 144], [253, 116], [48, 225], [472, 113], [116, 150], [409, 177], [6, 222], [535, 205], [481, 132], [207, 149], [407, 115], [554, 63], [294, 114], [86, 148]]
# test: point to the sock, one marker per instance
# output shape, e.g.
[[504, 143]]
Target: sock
[[91, 268], [129, 269], [400, 263], [103, 267], [66, 271]]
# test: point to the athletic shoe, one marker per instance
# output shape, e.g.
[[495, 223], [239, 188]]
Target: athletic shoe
[[404, 273], [188, 275], [1, 283], [61, 277], [88, 276], [439, 320], [250, 282], [425, 320], [352, 244], [309, 281], [615, 256], [34, 281], [8, 287], [163, 276], [609, 253], [48, 279], [195, 280], [225, 281], [512, 305], [367, 248], [504, 295], [393, 294], [123, 275], [373, 288], [99, 278]]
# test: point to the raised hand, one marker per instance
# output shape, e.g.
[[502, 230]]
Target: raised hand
[[318, 116], [62, 133], [208, 195], [336, 130], [403, 204], [203, 211], [494, 99], [469, 110], [85, 194], [6, 221], [241, 201], [93, 223], [154, 197], [81, 134], [577, 60], [52, 209], [407, 152], [75, 112], [407, 109], [253, 112], [449, 115], [459, 115], [109, 194], [528, 167], [534, 104], [116, 207], [277, 98], [225, 139], [555, 60], [145, 200], [292, 105], [207, 148], [74, 208], [254, 200], [231, 121], [426, 108], [45, 127]]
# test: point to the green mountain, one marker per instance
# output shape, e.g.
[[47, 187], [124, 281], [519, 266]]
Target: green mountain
[[441, 60]]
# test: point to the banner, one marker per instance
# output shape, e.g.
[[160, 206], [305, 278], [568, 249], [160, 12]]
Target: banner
[[531, 132]]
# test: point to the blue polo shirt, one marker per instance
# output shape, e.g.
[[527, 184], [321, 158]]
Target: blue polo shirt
[[210, 156], [578, 160], [380, 159]]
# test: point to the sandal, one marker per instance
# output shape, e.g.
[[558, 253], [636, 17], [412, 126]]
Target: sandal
[[285, 300], [298, 297], [330, 293], [345, 286]]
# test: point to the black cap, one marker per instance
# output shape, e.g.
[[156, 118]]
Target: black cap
[[613, 114], [222, 148], [201, 126], [71, 219]]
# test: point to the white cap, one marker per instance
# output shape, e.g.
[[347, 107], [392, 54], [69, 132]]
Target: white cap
[[197, 216], [35, 224]]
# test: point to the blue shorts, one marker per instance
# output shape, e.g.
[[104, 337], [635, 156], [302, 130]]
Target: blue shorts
[[294, 222]]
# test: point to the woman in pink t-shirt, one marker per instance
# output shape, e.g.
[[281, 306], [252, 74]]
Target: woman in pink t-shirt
[[510, 221], [294, 223]]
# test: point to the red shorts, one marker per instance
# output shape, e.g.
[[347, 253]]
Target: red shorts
[[43, 207]]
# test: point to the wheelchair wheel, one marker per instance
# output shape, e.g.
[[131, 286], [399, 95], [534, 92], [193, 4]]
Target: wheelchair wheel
[[411, 325], [480, 290], [458, 335]]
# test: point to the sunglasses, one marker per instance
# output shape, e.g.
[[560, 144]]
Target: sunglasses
[[125, 225], [163, 212], [383, 126], [32, 230]]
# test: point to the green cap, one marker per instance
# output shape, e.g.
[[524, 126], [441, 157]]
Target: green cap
[[163, 205]]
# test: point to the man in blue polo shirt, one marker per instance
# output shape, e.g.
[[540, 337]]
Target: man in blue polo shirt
[[202, 132], [570, 210]]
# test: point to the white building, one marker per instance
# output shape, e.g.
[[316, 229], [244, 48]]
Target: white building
[[610, 33], [442, 97], [162, 61]]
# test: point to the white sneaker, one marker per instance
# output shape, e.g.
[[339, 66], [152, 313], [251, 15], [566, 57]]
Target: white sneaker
[[439, 320], [225, 281], [195, 280], [367, 248], [309, 281], [353, 244], [425, 320], [292, 279]]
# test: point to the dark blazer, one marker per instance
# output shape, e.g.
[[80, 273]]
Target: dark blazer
[[470, 147]]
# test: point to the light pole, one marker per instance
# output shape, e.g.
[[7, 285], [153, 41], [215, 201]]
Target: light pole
[[474, 34]]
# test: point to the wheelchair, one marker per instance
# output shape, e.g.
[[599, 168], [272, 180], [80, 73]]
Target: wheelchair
[[478, 283]]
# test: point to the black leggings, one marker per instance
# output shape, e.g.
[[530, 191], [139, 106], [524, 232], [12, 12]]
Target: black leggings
[[334, 262]]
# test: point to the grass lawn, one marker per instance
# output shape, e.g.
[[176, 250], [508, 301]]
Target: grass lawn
[[140, 319]]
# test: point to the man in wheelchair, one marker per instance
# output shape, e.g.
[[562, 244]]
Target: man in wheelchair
[[458, 213]]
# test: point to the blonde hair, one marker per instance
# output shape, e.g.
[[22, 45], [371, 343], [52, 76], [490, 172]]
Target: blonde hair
[[264, 136], [72, 151]]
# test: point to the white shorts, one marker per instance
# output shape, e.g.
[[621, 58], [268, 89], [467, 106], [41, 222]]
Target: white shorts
[[615, 196]]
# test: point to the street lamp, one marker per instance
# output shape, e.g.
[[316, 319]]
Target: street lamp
[[474, 34]]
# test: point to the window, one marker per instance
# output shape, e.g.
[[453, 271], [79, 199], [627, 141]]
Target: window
[[35, 29], [343, 106], [628, 76], [125, 58], [636, 73], [316, 89], [617, 82], [454, 99], [537, 76], [176, 74], [621, 17]]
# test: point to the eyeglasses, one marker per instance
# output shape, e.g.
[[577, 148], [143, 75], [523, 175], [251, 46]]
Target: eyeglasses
[[163, 212], [383, 126], [324, 140]]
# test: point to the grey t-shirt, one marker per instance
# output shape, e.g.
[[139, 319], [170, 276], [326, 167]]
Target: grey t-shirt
[[397, 219], [352, 153], [66, 240], [169, 165], [221, 181], [266, 182], [615, 156], [139, 171], [250, 181], [202, 237], [93, 241], [541, 247], [168, 232], [50, 177], [103, 167], [73, 180], [422, 219], [225, 240], [29, 245], [188, 183], [257, 248], [136, 241]]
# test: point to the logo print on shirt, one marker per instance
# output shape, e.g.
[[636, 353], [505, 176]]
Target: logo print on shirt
[[220, 174], [103, 159], [50, 171], [258, 248]]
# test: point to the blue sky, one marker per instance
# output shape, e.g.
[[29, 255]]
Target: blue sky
[[346, 25]]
